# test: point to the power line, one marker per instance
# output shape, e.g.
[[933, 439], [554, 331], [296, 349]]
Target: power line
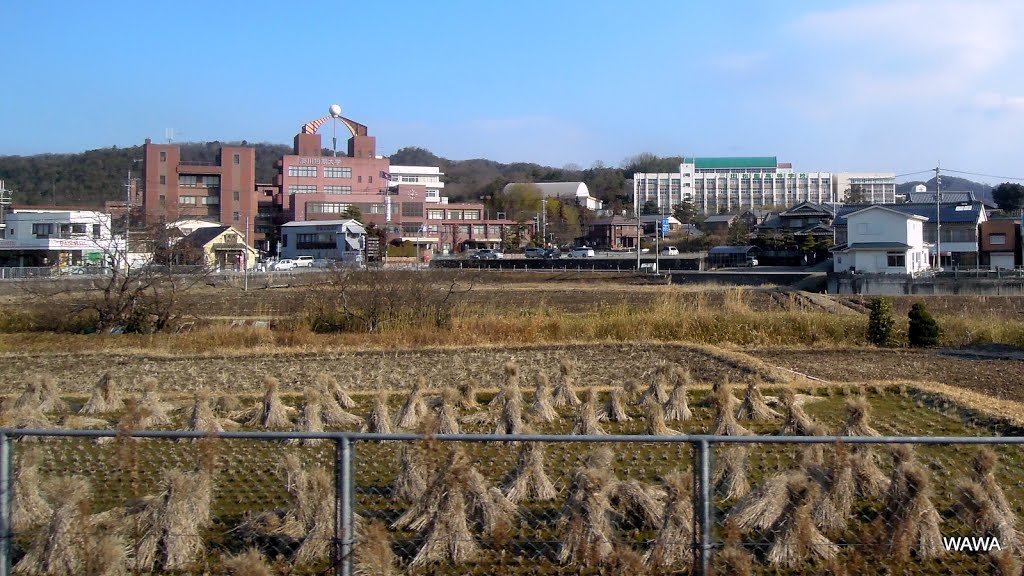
[[1020, 179], [928, 171]]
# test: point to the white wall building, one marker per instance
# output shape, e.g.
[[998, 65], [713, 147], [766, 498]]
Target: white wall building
[[882, 240], [49, 237], [428, 176], [576, 191], [872, 187], [731, 185], [342, 240]]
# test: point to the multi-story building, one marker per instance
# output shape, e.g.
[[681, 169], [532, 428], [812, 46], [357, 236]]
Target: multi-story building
[[221, 191], [864, 187], [736, 184], [427, 176], [58, 237]]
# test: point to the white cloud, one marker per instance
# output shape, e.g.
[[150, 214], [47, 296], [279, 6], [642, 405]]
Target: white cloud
[[915, 49], [994, 102]]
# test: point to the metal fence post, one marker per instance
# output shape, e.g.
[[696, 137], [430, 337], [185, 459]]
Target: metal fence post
[[344, 526], [6, 500], [702, 477]]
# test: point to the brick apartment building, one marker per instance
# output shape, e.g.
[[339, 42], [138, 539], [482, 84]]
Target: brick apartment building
[[313, 186]]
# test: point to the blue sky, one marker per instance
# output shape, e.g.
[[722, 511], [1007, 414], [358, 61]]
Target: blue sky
[[896, 85]]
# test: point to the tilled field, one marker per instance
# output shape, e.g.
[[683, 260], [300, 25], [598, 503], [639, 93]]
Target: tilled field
[[997, 377], [597, 365]]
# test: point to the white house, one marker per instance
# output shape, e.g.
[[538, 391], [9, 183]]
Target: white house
[[577, 191], [343, 240], [881, 240], [54, 237]]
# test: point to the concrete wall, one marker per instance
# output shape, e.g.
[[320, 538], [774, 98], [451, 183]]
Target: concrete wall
[[891, 285]]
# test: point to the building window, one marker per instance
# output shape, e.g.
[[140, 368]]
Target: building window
[[301, 189], [163, 199], [236, 216], [896, 260], [187, 180], [471, 215], [997, 239], [360, 179], [78, 228], [97, 231], [455, 214], [302, 171], [337, 172], [412, 209], [238, 159], [211, 200], [337, 189], [326, 208], [163, 156], [435, 214], [236, 195], [191, 200], [211, 181], [42, 231], [163, 180]]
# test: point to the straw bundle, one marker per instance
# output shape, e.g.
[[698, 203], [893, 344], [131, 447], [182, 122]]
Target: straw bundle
[[329, 384], [542, 410], [676, 408], [379, 420], [30, 508], [564, 393], [858, 412], [585, 523], [832, 511], [586, 416], [730, 478], [446, 421], [410, 483], [414, 408], [613, 409], [105, 397], [272, 413], [202, 418], [467, 395], [529, 481], [725, 415], [655, 421], [672, 544], [754, 406], [762, 507], [173, 522], [151, 405], [912, 515], [797, 539], [374, 556]]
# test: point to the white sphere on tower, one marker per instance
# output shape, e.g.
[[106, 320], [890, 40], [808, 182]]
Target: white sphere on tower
[[335, 110]]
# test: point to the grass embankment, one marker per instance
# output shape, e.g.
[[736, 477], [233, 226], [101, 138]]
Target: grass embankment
[[731, 318]]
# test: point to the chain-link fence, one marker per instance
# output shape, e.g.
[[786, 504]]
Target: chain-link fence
[[345, 503]]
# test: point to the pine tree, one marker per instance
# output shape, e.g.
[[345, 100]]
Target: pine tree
[[881, 323], [924, 330]]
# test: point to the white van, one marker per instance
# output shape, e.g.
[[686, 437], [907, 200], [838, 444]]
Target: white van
[[304, 262]]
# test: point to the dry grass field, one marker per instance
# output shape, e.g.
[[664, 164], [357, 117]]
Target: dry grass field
[[612, 331]]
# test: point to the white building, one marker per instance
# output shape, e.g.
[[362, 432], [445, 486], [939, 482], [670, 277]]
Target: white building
[[340, 240], [870, 187], [54, 237], [427, 176], [735, 184], [732, 184], [576, 191], [881, 240]]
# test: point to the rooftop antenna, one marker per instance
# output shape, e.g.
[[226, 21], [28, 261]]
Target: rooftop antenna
[[169, 135], [335, 111], [938, 218]]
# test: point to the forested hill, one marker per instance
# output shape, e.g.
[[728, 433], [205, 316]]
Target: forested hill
[[95, 176], [951, 184]]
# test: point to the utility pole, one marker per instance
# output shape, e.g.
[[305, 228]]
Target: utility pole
[[245, 258], [938, 220], [636, 210]]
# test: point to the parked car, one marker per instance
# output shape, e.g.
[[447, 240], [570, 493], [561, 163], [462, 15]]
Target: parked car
[[751, 262], [552, 253], [487, 254], [285, 264], [534, 252], [670, 251], [582, 252], [304, 262]]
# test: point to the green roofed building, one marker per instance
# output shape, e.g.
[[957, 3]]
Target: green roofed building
[[734, 184]]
